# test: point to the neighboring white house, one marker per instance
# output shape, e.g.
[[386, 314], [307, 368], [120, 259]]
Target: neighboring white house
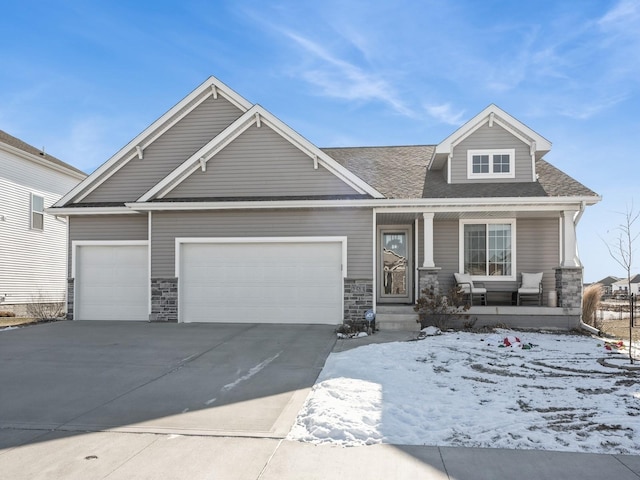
[[33, 252], [621, 287]]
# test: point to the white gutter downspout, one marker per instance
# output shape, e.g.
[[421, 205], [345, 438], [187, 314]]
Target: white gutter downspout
[[583, 325]]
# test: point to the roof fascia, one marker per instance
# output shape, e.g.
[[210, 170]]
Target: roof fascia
[[210, 87], [256, 114], [504, 119], [394, 205], [71, 211], [42, 161]]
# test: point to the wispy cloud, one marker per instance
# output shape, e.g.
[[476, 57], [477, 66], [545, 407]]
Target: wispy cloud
[[625, 12], [339, 78], [587, 110], [444, 113]]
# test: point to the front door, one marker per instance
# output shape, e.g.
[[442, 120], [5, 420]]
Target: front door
[[395, 279]]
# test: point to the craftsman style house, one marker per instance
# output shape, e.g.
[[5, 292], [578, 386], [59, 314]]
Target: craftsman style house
[[33, 243], [219, 212]]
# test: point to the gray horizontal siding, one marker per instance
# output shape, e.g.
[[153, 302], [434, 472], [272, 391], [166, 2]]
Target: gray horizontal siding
[[537, 250], [167, 152], [356, 224], [107, 228], [258, 163], [494, 137]]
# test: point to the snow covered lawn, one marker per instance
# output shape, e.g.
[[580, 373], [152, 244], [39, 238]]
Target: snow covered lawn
[[462, 389]]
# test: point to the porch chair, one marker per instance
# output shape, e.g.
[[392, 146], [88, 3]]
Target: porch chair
[[531, 285], [465, 285]]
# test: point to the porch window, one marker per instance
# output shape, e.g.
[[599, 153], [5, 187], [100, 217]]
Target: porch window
[[487, 249], [491, 163]]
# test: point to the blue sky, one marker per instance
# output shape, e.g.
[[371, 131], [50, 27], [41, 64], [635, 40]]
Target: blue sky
[[82, 78]]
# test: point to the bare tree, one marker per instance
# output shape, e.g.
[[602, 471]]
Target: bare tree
[[622, 251]]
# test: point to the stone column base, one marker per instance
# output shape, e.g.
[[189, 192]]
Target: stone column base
[[70, 298], [428, 278], [164, 300], [569, 287], [358, 298]]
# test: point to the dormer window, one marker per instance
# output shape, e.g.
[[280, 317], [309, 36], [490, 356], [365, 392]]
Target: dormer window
[[491, 163]]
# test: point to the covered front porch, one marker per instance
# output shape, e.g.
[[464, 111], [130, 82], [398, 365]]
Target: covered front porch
[[435, 245]]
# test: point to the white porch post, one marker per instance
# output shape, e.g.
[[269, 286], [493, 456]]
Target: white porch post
[[428, 240], [569, 245]]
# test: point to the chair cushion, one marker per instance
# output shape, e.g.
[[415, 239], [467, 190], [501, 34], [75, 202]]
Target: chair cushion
[[465, 280], [531, 280], [478, 290], [526, 291]]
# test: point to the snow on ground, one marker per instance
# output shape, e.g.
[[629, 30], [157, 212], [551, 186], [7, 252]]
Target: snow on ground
[[462, 389]]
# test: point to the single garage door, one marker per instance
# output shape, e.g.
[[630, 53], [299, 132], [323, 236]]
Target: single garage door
[[266, 282], [111, 282]]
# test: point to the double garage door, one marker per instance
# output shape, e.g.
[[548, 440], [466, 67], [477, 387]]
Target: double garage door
[[240, 281], [261, 282]]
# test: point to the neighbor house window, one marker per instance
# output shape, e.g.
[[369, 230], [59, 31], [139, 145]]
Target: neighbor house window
[[37, 212], [491, 163], [487, 248]]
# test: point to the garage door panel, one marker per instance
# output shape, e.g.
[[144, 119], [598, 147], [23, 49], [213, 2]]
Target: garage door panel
[[261, 282], [111, 282]]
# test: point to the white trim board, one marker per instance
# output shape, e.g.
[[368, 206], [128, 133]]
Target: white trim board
[[183, 240]]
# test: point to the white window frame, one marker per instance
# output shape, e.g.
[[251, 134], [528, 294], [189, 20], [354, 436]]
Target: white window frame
[[487, 222], [32, 211], [491, 174]]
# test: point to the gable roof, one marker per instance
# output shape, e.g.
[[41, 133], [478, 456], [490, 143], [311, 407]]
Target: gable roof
[[135, 148], [607, 281], [256, 115], [38, 155], [625, 281], [397, 173], [490, 115]]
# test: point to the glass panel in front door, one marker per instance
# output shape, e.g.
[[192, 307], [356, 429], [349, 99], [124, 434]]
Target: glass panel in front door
[[394, 263]]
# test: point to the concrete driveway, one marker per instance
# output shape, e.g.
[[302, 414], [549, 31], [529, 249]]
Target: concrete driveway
[[122, 401], [240, 380]]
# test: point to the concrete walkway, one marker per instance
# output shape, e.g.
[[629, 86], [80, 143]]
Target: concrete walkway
[[118, 455]]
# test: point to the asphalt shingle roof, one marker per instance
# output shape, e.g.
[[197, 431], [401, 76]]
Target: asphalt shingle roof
[[401, 172], [25, 147], [396, 172]]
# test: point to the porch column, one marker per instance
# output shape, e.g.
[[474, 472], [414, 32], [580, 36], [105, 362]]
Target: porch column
[[428, 240], [569, 245]]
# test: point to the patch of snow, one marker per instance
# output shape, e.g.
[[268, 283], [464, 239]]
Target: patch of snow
[[463, 389], [430, 331], [6, 329]]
